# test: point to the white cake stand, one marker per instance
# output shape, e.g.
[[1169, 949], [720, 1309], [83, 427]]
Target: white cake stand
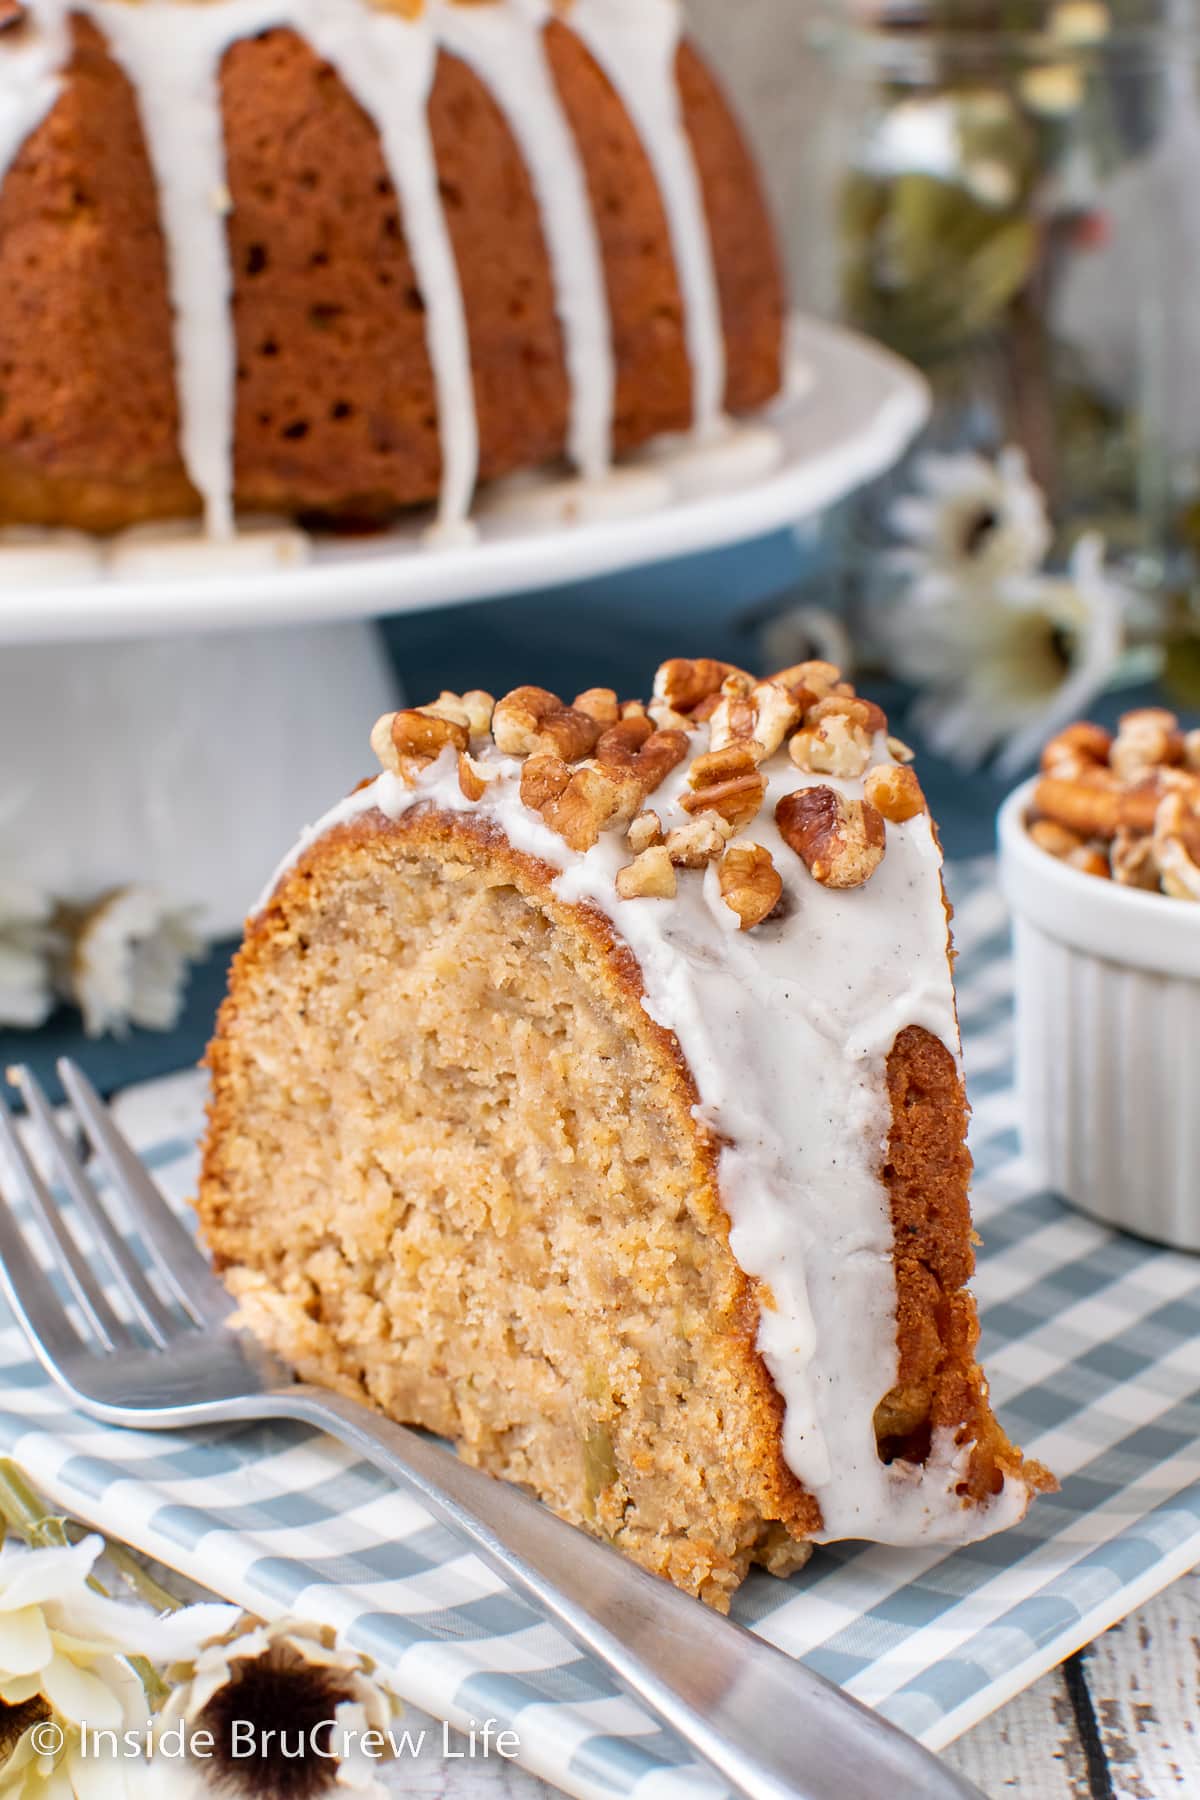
[[172, 711]]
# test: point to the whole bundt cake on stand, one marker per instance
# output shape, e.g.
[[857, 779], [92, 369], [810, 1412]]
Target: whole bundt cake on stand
[[589, 1091], [336, 258]]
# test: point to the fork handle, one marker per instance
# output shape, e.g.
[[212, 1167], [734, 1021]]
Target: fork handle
[[772, 1727]]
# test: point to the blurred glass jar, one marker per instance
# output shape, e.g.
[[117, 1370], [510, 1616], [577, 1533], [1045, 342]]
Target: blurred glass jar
[[1015, 206]]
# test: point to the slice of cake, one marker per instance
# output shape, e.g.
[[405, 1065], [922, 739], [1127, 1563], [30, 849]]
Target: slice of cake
[[589, 1091]]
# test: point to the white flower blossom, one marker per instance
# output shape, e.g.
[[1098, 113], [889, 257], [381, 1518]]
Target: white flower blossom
[[283, 1686], [1008, 666], [126, 961], [972, 522], [64, 1667], [803, 632], [26, 941]]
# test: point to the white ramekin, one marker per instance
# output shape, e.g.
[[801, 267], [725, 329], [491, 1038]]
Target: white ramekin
[[1108, 1038]]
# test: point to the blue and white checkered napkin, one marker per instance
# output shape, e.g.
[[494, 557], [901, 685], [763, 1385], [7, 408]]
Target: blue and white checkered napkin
[[1090, 1340]]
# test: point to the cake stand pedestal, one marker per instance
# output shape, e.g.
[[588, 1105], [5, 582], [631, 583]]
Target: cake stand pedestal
[[190, 762], [172, 715]]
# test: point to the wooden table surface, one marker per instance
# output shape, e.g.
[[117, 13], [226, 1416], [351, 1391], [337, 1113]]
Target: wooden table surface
[[1118, 1721]]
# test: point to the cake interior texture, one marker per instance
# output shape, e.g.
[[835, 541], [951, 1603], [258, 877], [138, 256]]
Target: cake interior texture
[[456, 1168]]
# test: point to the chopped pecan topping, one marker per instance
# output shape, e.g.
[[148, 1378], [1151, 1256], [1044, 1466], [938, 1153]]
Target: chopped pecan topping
[[1147, 739], [895, 792], [407, 742], [758, 714], [750, 883], [644, 831], [532, 719], [841, 842], [650, 876], [684, 683], [600, 704], [692, 845]]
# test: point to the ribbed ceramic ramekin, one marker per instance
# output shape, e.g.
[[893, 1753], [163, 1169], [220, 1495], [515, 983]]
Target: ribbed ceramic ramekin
[[1108, 1038]]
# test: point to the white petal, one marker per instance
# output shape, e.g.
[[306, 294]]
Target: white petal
[[32, 1577], [25, 1643], [79, 1695]]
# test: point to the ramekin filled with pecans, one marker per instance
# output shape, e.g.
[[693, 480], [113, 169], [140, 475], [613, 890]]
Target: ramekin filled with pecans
[[1100, 858]]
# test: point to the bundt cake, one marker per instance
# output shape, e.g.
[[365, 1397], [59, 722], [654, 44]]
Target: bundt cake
[[339, 257], [588, 1090]]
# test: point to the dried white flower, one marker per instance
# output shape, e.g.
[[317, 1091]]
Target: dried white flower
[[1009, 665], [64, 1666], [26, 942], [803, 633], [971, 522], [125, 960], [284, 1687]]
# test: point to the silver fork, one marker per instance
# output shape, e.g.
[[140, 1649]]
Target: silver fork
[[769, 1725]]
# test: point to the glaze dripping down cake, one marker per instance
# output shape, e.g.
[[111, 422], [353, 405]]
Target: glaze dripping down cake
[[341, 257], [588, 1090]]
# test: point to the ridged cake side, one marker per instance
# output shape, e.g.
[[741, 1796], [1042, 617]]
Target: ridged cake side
[[343, 261]]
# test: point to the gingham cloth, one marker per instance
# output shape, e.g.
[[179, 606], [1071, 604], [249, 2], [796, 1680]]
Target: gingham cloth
[[1091, 1343]]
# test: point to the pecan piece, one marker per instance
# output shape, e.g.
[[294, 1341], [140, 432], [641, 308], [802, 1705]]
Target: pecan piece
[[600, 704], [1077, 744], [759, 715], [807, 682], [692, 845], [1146, 739], [840, 842], [644, 831], [683, 682], [407, 742], [530, 719], [1053, 838], [1132, 860], [894, 791], [1091, 801], [1177, 846], [750, 882], [635, 752], [650, 876]]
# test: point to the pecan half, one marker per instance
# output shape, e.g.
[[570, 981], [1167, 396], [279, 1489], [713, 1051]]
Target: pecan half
[[530, 719], [750, 883], [635, 750], [841, 842]]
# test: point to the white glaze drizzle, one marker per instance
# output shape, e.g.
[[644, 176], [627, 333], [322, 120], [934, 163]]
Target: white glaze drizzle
[[786, 1031], [388, 62], [503, 45], [172, 57], [171, 50], [635, 43]]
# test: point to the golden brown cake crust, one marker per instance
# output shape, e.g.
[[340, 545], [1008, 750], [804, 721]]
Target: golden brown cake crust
[[750, 282], [336, 404], [653, 373], [88, 416]]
